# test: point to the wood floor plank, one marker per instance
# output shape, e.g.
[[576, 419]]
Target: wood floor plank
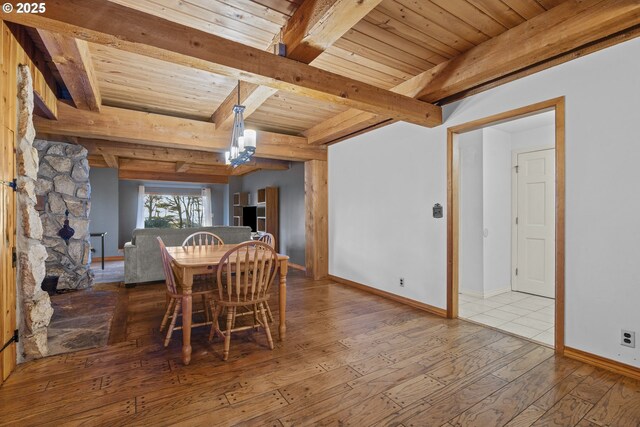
[[504, 405], [366, 413], [619, 407], [527, 417], [554, 395], [567, 412], [413, 390], [274, 380], [595, 386], [464, 365], [524, 364], [316, 384], [272, 417], [586, 423], [449, 408], [350, 358], [361, 390]]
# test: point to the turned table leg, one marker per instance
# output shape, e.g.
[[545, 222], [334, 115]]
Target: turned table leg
[[282, 331], [187, 308]]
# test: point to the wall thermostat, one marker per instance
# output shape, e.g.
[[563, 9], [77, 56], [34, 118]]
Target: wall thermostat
[[437, 210]]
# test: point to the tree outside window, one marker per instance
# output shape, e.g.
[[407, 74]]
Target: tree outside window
[[172, 211]]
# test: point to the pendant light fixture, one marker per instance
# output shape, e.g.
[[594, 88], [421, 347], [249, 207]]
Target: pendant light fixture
[[243, 141]]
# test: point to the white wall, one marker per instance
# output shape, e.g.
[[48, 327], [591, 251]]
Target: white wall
[[496, 190], [380, 212], [471, 256], [380, 222], [534, 139]]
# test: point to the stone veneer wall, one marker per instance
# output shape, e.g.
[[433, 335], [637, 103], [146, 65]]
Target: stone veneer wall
[[63, 181], [33, 304]]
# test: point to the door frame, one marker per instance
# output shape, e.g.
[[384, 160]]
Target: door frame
[[453, 204]]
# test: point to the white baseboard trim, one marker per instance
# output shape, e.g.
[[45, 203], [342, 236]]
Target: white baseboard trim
[[485, 294]]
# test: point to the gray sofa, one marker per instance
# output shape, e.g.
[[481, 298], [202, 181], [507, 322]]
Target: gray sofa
[[142, 262]]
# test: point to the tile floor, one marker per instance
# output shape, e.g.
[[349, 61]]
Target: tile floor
[[529, 316]]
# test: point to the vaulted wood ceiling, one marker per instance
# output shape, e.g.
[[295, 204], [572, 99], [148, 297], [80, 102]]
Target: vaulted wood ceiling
[[389, 44]]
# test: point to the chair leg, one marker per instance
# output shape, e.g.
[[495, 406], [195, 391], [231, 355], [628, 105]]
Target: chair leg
[[227, 336], [266, 326], [269, 315], [233, 320], [215, 327], [205, 308], [255, 316], [166, 313], [176, 311]]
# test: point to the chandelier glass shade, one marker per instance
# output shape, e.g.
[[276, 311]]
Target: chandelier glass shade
[[243, 141]]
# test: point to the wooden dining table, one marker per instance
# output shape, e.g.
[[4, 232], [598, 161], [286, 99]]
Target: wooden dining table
[[192, 261]]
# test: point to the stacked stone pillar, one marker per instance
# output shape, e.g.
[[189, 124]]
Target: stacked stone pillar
[[63, 184], [33, 305]]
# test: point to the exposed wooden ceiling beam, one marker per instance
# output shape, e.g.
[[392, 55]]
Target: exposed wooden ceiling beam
[[182, 167], [148, 35], [73, 61], [261, 164], [172, 176], [352, 121], [202, 161], [111, 160], [252, 96], [313, 27], [148, 152], [118, 124], [45, 101], [170, 167], [318, 24], [97, 160], [166, 171], [567, 27]]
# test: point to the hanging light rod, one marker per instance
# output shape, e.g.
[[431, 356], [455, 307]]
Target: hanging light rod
[[243, 141]]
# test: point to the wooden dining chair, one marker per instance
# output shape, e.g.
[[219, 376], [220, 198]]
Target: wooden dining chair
[[199, 241], [174, 296], [244, 275], [271, 241], [268, 239], [202, 239]]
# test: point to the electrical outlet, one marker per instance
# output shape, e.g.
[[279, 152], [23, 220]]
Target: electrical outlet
[[628, 339], [402, 282]]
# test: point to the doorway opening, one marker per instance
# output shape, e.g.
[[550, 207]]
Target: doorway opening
[[506, 222]]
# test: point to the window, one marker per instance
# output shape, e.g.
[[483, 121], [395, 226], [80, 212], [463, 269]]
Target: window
[[173, 211]]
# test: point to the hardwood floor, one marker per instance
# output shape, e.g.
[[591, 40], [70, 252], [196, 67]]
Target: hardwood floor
[[350, 358]]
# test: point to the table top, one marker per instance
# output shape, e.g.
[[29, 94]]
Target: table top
[[98, 234], [203, 256]]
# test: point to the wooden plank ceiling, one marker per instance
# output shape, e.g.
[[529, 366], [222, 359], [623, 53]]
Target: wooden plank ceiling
[[399, 39], [387, 46]]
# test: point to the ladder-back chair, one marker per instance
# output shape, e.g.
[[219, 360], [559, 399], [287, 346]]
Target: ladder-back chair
[[268, 239], [244, 275], [174, 296], [202, 239], [271, 241]]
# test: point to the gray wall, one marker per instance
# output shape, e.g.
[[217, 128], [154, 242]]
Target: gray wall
[[291, 209], [128, 210], [128, 199], [235, 186], [104, 208]]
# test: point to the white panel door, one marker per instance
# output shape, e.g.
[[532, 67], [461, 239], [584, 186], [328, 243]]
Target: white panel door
[[536, 199]]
